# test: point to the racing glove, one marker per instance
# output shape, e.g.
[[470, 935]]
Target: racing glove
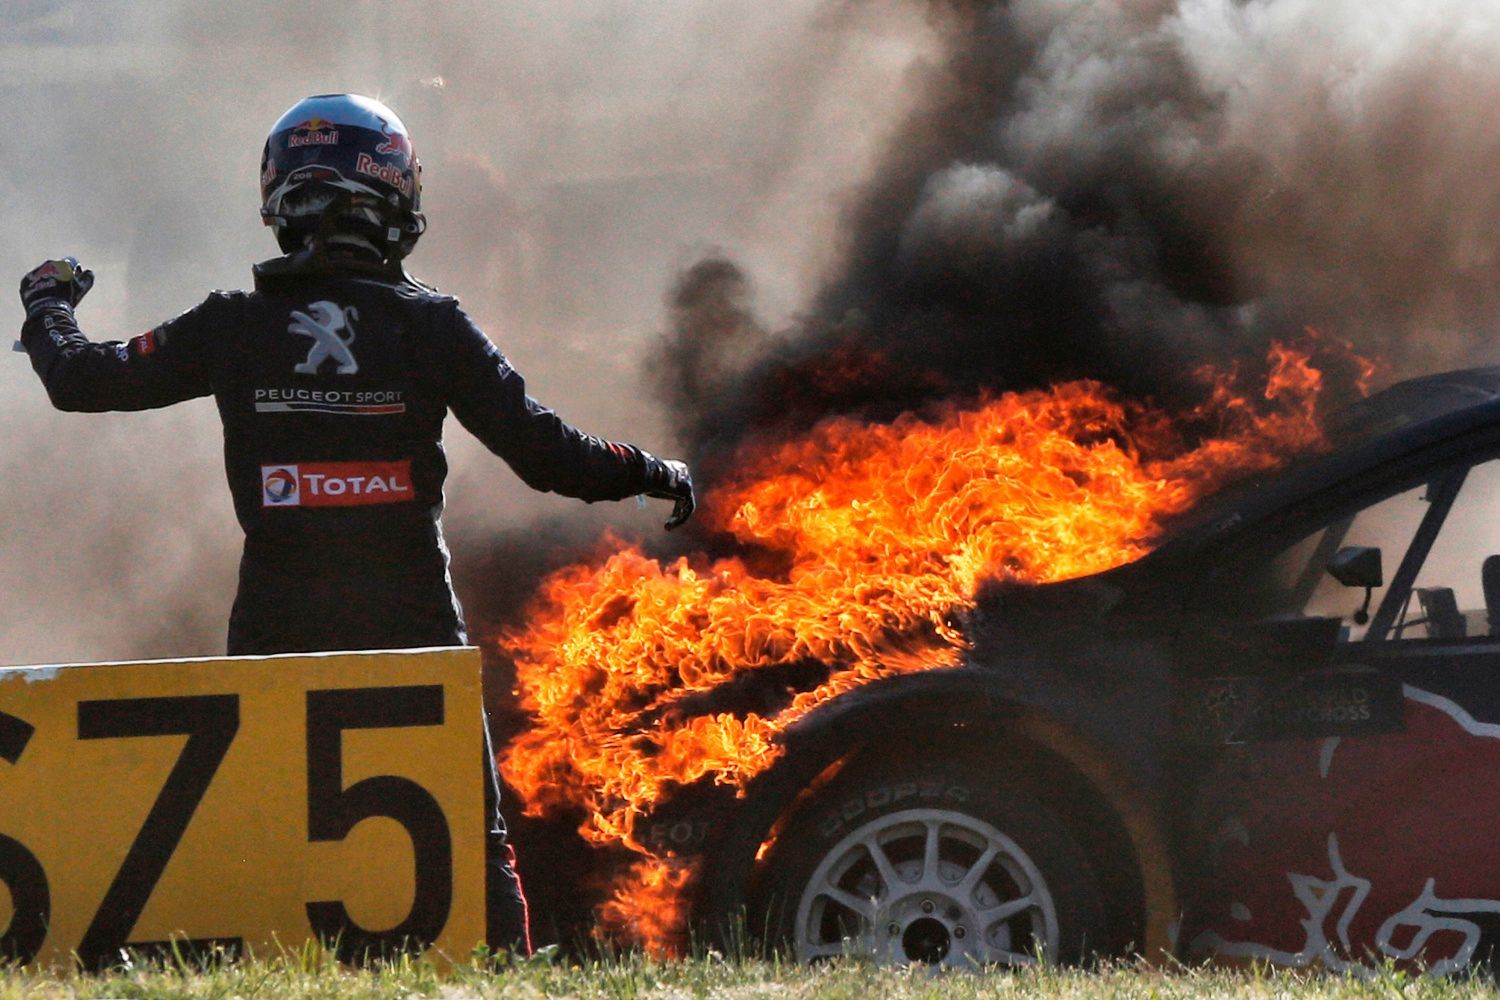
[[671, 480], [57, 282]]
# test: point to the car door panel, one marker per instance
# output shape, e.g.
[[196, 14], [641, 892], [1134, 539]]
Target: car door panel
[[1321, 837]]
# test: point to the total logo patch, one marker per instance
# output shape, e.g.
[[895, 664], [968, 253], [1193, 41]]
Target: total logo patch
[[336, 484]]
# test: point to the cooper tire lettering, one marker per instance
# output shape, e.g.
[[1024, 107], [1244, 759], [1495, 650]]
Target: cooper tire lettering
[[333, 811], [883, 797], [210, 723]]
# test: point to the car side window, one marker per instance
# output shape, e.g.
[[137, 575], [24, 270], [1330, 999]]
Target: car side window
[[1457, 591], [1296, 581]]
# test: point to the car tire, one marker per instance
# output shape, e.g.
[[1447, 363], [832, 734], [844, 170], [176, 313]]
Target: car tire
[[923, 864]]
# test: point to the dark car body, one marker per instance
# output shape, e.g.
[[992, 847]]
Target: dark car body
[[1251, 769]]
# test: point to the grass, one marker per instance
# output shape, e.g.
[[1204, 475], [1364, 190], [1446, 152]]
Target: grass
[[311, 973]]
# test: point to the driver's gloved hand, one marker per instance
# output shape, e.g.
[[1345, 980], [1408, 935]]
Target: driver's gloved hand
[[671, 480], [56, 282]]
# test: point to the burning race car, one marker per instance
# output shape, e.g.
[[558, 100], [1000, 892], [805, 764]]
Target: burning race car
[[1118, 709]]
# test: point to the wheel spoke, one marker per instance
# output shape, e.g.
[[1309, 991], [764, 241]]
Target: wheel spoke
[[882, 864], [849, 901], [971, 878], [1004, 911], [930, 853]]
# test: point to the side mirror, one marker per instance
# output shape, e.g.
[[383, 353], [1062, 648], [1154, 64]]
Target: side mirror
[[1358, 566]]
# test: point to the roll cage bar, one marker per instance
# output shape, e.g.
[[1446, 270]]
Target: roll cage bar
[[1442, 491]]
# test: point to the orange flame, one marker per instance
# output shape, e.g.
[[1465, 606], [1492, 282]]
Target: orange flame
[[865, 546], [648, 905]]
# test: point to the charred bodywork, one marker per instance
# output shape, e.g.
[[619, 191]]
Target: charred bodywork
[[1271, 738]]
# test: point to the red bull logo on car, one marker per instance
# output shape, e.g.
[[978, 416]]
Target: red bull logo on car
[[336, 484], [1346, 852], [313, 132]]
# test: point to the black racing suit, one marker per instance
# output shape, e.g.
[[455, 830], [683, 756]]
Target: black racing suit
[[332, 381]]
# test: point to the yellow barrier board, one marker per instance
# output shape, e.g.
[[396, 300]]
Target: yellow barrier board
[[242, 803]]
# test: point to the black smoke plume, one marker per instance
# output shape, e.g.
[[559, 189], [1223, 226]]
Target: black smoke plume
[[1125, 191]]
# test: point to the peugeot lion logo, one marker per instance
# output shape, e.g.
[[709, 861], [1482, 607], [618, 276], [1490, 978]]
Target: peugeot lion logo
[[324, 326]]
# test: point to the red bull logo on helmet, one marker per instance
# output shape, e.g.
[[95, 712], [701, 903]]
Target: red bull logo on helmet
[[394, 176], [394, 144], [313, 132]]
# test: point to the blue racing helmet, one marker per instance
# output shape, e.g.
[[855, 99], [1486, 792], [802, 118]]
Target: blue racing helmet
[[341, 165]]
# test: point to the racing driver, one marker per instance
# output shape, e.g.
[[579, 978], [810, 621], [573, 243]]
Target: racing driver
[[332, 378]]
